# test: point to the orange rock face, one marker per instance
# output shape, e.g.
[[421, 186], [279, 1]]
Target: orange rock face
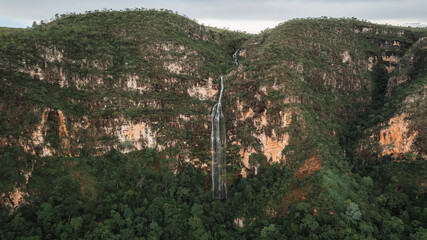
[[390, 59], [62, 127], [309, 167], [273, 144], [13, 199], [248, 114], [397, 139]]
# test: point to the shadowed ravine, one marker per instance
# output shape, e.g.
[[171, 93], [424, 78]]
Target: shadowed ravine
[[218, 140]]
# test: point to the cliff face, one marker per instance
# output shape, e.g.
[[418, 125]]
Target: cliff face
[[127, 88], [402, 134], [79, 86]]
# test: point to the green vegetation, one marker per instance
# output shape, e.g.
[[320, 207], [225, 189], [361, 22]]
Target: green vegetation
[[102, 71], [134, 196]]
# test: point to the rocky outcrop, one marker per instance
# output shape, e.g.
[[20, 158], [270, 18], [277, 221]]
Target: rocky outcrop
[[132, 135], [345, 57], [415, 57], [309, 167], [272, 144], [404, 133], [13, 199], [203, 91], [397, 139]]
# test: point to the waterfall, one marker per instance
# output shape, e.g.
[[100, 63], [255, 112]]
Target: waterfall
[[218, 140], [235, 57]]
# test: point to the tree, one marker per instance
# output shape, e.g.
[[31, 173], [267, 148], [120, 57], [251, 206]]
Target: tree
[[155, 231], [353, 212], [270, 232]]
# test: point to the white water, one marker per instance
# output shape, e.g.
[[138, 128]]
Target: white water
[[235, 57], [218, 140]]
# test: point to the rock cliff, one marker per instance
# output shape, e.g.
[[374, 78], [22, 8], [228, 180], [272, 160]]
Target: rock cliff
[[79, 85]]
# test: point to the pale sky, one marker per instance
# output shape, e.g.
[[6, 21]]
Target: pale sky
[[246, 15]]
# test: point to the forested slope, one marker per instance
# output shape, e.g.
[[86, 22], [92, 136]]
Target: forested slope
[[105, 129]]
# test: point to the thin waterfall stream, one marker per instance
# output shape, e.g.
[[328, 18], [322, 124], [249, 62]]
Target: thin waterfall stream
[[235, 57], [218, 140]]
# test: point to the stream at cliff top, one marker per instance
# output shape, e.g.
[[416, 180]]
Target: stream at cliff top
[[218, 140], [235, 57]]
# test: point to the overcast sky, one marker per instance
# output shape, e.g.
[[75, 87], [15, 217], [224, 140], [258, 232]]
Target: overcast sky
[[245, 15]]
